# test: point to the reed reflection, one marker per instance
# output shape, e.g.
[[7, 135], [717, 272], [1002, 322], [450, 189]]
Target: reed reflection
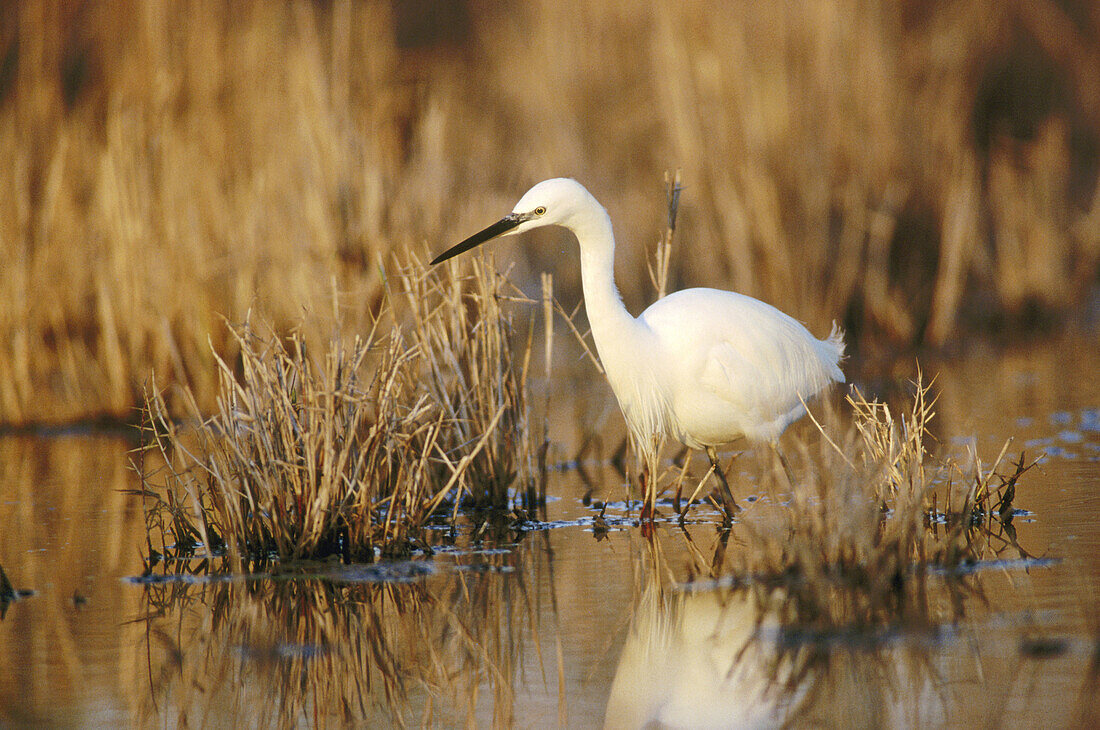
[[408, 642]]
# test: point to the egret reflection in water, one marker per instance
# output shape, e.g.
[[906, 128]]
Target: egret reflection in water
[[716, 658]]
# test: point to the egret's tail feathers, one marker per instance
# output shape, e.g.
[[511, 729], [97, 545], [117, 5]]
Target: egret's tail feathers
[[836, 339], [832, 347]]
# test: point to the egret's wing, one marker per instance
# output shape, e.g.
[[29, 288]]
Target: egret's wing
[[764, 378], [766, 364], [745, 352]]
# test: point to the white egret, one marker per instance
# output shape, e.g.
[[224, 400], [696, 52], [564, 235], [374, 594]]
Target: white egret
[[704, 366]]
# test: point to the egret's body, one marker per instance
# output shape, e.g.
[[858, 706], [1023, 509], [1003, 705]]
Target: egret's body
[[703, 366]]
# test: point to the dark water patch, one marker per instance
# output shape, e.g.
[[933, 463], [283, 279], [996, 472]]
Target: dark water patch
[[931, 638], [736, 581], [866, 638], [92, 426], [458, 541], [399, 571], [391, 572]]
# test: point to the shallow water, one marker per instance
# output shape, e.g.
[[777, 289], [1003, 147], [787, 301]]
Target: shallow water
[[559, 625]]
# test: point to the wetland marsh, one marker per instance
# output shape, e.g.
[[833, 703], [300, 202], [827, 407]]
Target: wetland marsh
[[257, 467]]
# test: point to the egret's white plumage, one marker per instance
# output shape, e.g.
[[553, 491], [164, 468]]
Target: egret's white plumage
[[704, 366]]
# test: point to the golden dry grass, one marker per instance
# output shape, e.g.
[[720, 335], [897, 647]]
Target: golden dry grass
[[908, 168], [877, 531], [349, 451]]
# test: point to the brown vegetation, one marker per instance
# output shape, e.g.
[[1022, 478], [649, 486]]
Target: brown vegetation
[[354, 449], [903, 166], [876, 531], [825, 594]]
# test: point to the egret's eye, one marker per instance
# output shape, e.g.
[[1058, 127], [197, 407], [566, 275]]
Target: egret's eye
[[541, 210]]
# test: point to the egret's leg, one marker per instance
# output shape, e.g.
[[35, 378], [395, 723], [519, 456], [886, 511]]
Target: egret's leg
[[651, 489], [649, 507], [727, 496]]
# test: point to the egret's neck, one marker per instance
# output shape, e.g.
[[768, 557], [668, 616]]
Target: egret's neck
[[625, 345], [609, 319]]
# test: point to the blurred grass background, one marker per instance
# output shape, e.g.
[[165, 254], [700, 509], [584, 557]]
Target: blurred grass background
[[921, 172]]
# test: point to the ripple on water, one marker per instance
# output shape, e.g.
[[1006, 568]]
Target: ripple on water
[[1085, 424], [1061, 418]]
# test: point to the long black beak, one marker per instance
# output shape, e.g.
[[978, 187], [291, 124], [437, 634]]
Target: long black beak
[[502, 226]]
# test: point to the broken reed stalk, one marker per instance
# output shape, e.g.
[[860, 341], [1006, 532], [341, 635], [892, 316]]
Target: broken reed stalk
[[351, 451], [548, 351], [658, 268]]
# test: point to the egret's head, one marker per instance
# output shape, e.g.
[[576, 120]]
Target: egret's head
[[551, 202]]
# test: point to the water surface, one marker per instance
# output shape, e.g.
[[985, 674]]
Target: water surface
[[563, 624]]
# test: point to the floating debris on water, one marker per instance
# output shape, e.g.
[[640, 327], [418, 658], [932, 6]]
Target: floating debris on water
[[1043, 647], [9, 594], [484, 568], [190, 578]]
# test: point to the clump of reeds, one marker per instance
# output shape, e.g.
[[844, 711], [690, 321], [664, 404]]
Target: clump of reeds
[[872, 518], [351, 450]]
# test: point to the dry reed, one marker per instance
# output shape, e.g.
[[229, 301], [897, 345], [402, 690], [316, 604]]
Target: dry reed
[[350, 452], [911, 168], [870, 522]]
